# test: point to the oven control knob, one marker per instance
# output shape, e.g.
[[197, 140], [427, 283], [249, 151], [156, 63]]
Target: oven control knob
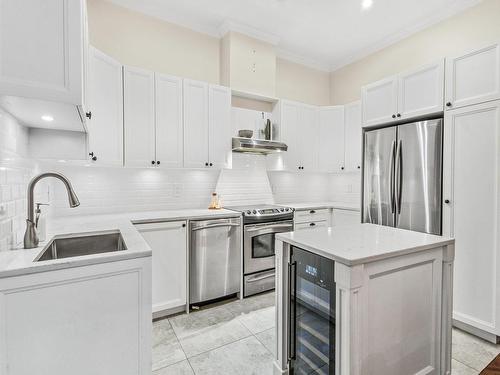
[[249, 212], [254, 212], [287, 209]]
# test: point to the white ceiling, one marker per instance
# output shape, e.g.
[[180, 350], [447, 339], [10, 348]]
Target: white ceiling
[[326, 34]]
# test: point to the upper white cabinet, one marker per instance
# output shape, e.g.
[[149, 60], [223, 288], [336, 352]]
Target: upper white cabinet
[[105, 93], [331, 139], [42, 49], [299, 130], [353, 136], [139, 117], [414, 93], [380, 101], [168, 242], [168, 120], [471, 211], [207, 124], [421, 91], [153, 119], [473, 77]]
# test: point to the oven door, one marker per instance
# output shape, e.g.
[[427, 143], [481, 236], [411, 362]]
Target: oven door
[[258, 245]]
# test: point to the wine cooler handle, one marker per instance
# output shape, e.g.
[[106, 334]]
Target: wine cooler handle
[[292, 320]]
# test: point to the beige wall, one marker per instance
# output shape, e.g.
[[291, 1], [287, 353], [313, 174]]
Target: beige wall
[[465, 31], [300, 83], [139, 40]]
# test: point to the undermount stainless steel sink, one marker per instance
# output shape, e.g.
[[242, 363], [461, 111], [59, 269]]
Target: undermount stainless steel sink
[[86, 244]]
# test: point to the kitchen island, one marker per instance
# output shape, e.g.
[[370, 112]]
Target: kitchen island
[[363, 299]]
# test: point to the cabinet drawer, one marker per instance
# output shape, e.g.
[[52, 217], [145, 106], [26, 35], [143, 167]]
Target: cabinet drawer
[[311, 225], [312, 215]]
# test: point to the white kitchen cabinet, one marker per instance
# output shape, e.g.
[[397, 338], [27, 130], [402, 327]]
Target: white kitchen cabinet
[[168, 242], [219, 126], [380, 101], [345, 217], [353, 136], [289, 134], [53, 322], [105, 103], [473, 77], [471, 211], [331, 139], [168, 121], [42, 49], [139, 117], [421, 91]]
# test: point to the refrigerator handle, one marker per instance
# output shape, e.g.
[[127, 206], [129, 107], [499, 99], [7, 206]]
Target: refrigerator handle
[[399, 178], [391, 175]]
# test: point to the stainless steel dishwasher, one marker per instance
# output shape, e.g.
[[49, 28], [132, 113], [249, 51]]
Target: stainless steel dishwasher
[[215, 259]]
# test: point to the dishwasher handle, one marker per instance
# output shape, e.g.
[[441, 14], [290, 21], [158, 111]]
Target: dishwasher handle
[[215, 226]]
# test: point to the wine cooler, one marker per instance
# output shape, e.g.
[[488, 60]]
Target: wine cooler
[[311, 345]]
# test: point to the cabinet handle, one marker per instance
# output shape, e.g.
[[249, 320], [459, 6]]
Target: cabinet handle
[[447, 201], [393, 116], [359, 167], [312, 224], [158, 162], [448, 104], [342, 168], [206, 164], [211, 164], [92, 156], [312, 212], [399, 114], [153, 162], [88, 115], [184, 225]]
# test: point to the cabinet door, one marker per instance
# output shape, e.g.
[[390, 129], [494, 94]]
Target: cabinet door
[[473, 78], [139, 117], [105, 102], [353, 136], [169, 247], [345, 217], [219, 126], [421, 91], [307, 142], [41, 49], [331, 139], [471, 216], [168, 112], [380, 101], [195, 124], [289, 134]]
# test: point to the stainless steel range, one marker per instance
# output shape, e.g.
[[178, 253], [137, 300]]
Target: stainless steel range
[[260, 224]]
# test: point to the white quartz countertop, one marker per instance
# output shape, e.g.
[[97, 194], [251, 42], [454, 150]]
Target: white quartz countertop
[[362, 243], [319, 205], [21, 261]]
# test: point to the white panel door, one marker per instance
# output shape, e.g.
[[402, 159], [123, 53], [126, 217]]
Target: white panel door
[[307, 132], [41, 49], [421, 91], [474, 77], [105, 102], [168, 243], [331, 139], [289, 134], [168, 121], [195, 124], [471, 211], [353, 136], [219, 126], [139, 117], [380, 101]]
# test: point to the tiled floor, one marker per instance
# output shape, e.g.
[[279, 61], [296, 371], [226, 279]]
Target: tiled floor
[[238, 338]]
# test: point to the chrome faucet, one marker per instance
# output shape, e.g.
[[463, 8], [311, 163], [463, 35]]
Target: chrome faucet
[[31, 236]]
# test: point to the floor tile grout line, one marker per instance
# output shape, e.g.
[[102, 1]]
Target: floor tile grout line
[[466, 365]]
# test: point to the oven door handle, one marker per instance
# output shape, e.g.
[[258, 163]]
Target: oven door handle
[[252, 280], [255, 229]]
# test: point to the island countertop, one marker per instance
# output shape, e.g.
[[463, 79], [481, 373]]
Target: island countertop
[[362, 243]]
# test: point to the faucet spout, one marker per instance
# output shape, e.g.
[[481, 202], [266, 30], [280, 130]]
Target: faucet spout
[[30, 236]]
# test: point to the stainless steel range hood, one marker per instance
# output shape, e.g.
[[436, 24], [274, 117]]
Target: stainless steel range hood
[[257, 146]]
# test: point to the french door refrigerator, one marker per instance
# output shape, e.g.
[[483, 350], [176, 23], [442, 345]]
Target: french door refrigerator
[[402, 176]]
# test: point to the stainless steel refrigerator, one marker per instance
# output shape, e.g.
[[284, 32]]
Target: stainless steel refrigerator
[[402, 176]]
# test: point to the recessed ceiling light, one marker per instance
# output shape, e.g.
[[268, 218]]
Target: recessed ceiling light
[[366, 4], [47, 118]]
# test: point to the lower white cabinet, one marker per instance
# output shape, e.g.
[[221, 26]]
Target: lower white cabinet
[[345, 217], [311, 225], [311, 218], [471, 211], [168, 243], [92, 319]]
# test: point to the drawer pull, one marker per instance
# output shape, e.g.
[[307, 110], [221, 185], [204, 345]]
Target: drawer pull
[[312, 212], [312, 224]]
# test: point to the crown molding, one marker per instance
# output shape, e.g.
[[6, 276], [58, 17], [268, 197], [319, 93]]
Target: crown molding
[[323, 66], [247, 30], [405, 33]]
